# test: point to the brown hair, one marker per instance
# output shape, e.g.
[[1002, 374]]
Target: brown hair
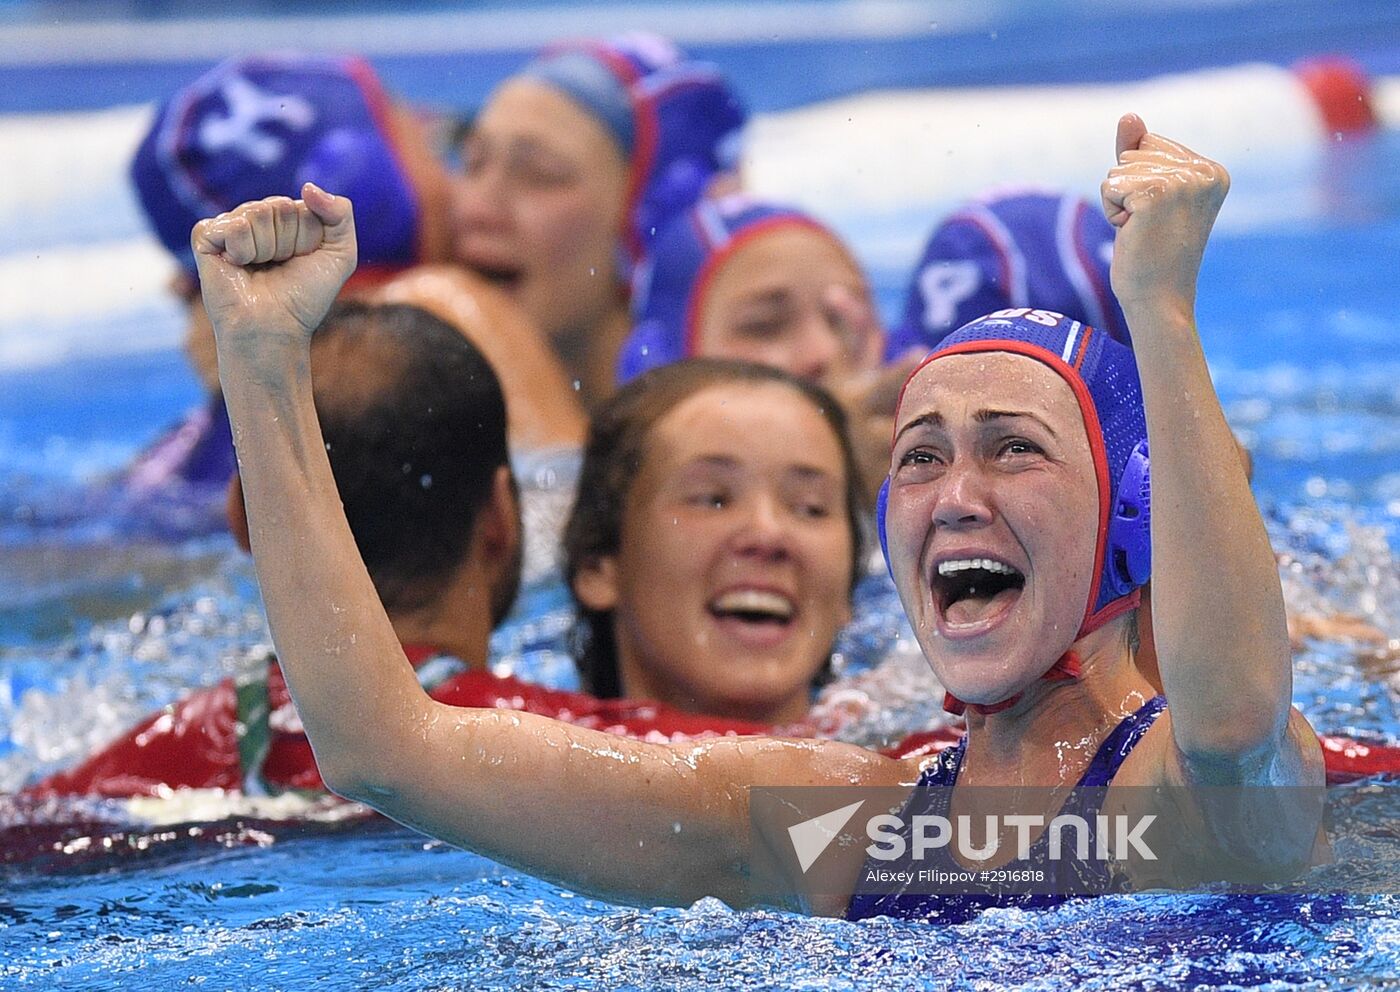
[[616, 447]]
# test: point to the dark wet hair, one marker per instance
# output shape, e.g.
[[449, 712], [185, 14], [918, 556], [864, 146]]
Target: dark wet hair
[[617, 441], [415, 426]]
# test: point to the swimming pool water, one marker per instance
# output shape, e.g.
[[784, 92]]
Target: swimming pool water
[[358, 904], [382, 907], [98, 626]]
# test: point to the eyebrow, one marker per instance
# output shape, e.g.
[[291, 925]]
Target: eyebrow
[[727, 463], [935, 420], [809, 473], [987, 416], [766, 295], [923, 420], [712, 461], [529, 146]]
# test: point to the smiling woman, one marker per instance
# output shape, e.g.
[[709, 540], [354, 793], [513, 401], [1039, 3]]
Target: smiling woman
[[1010, 483], [715, 541]]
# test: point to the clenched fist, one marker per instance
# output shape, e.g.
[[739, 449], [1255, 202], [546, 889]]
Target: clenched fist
[[270, 269], [1163, 198]]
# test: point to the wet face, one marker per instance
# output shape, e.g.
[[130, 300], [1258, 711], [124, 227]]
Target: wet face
[[771, 303], [992, 520], [733, 575], [539, 208]]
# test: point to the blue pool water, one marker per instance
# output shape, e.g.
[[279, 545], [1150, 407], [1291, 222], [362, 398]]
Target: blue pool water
[[100, 623]]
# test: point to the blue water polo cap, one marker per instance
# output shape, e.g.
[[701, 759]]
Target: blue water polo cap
[[265, 125], [1012, 248], [670, 286], [677, 121], [589, 82], [1103, 375]]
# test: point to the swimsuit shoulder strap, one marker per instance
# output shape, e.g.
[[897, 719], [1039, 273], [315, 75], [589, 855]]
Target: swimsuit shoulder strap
[[944, 770], [1119, 744], [1106, 761]]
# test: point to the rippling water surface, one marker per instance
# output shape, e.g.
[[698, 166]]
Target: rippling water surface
[[248, 902], [101, 622]]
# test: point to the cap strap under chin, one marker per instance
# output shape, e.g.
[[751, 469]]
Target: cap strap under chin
[[1067, 668]]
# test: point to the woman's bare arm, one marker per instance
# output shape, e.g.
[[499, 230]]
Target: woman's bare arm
[[615, 817], [1217, 606], [605, 814]]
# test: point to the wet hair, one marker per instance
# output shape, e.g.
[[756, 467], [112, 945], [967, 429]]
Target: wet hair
[[415, 427], [617, 443]]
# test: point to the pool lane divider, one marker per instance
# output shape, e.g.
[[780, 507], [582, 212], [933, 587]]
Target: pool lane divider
[[889, 153]]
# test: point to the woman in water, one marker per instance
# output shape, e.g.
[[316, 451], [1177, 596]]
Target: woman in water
[[570, 169], [735, 277], [739, 278], [251, 127], [998, 524], [715, 541], [721, 627], [264, 124]]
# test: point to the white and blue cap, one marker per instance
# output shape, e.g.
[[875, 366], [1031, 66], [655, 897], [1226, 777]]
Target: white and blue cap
[[264, 125], [1103, 376], [669, 288], [677, 121], [1012, 248]]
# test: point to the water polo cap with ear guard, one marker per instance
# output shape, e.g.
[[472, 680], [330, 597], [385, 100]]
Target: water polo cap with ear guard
[[677, 120], [1103, 376], [263, 125], [670, 287]]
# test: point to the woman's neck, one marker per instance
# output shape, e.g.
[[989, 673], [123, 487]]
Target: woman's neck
[[589, 355], [1050, 736]]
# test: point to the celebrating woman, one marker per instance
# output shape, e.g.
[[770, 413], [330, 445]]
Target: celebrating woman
[[1013, 445]]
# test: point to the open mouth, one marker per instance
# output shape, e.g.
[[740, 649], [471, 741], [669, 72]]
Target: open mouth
[[501, 276], [970, 591], [758, 609]]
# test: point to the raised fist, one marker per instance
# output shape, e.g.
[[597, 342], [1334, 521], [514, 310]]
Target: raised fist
[[270, 269], [1163, 198]]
